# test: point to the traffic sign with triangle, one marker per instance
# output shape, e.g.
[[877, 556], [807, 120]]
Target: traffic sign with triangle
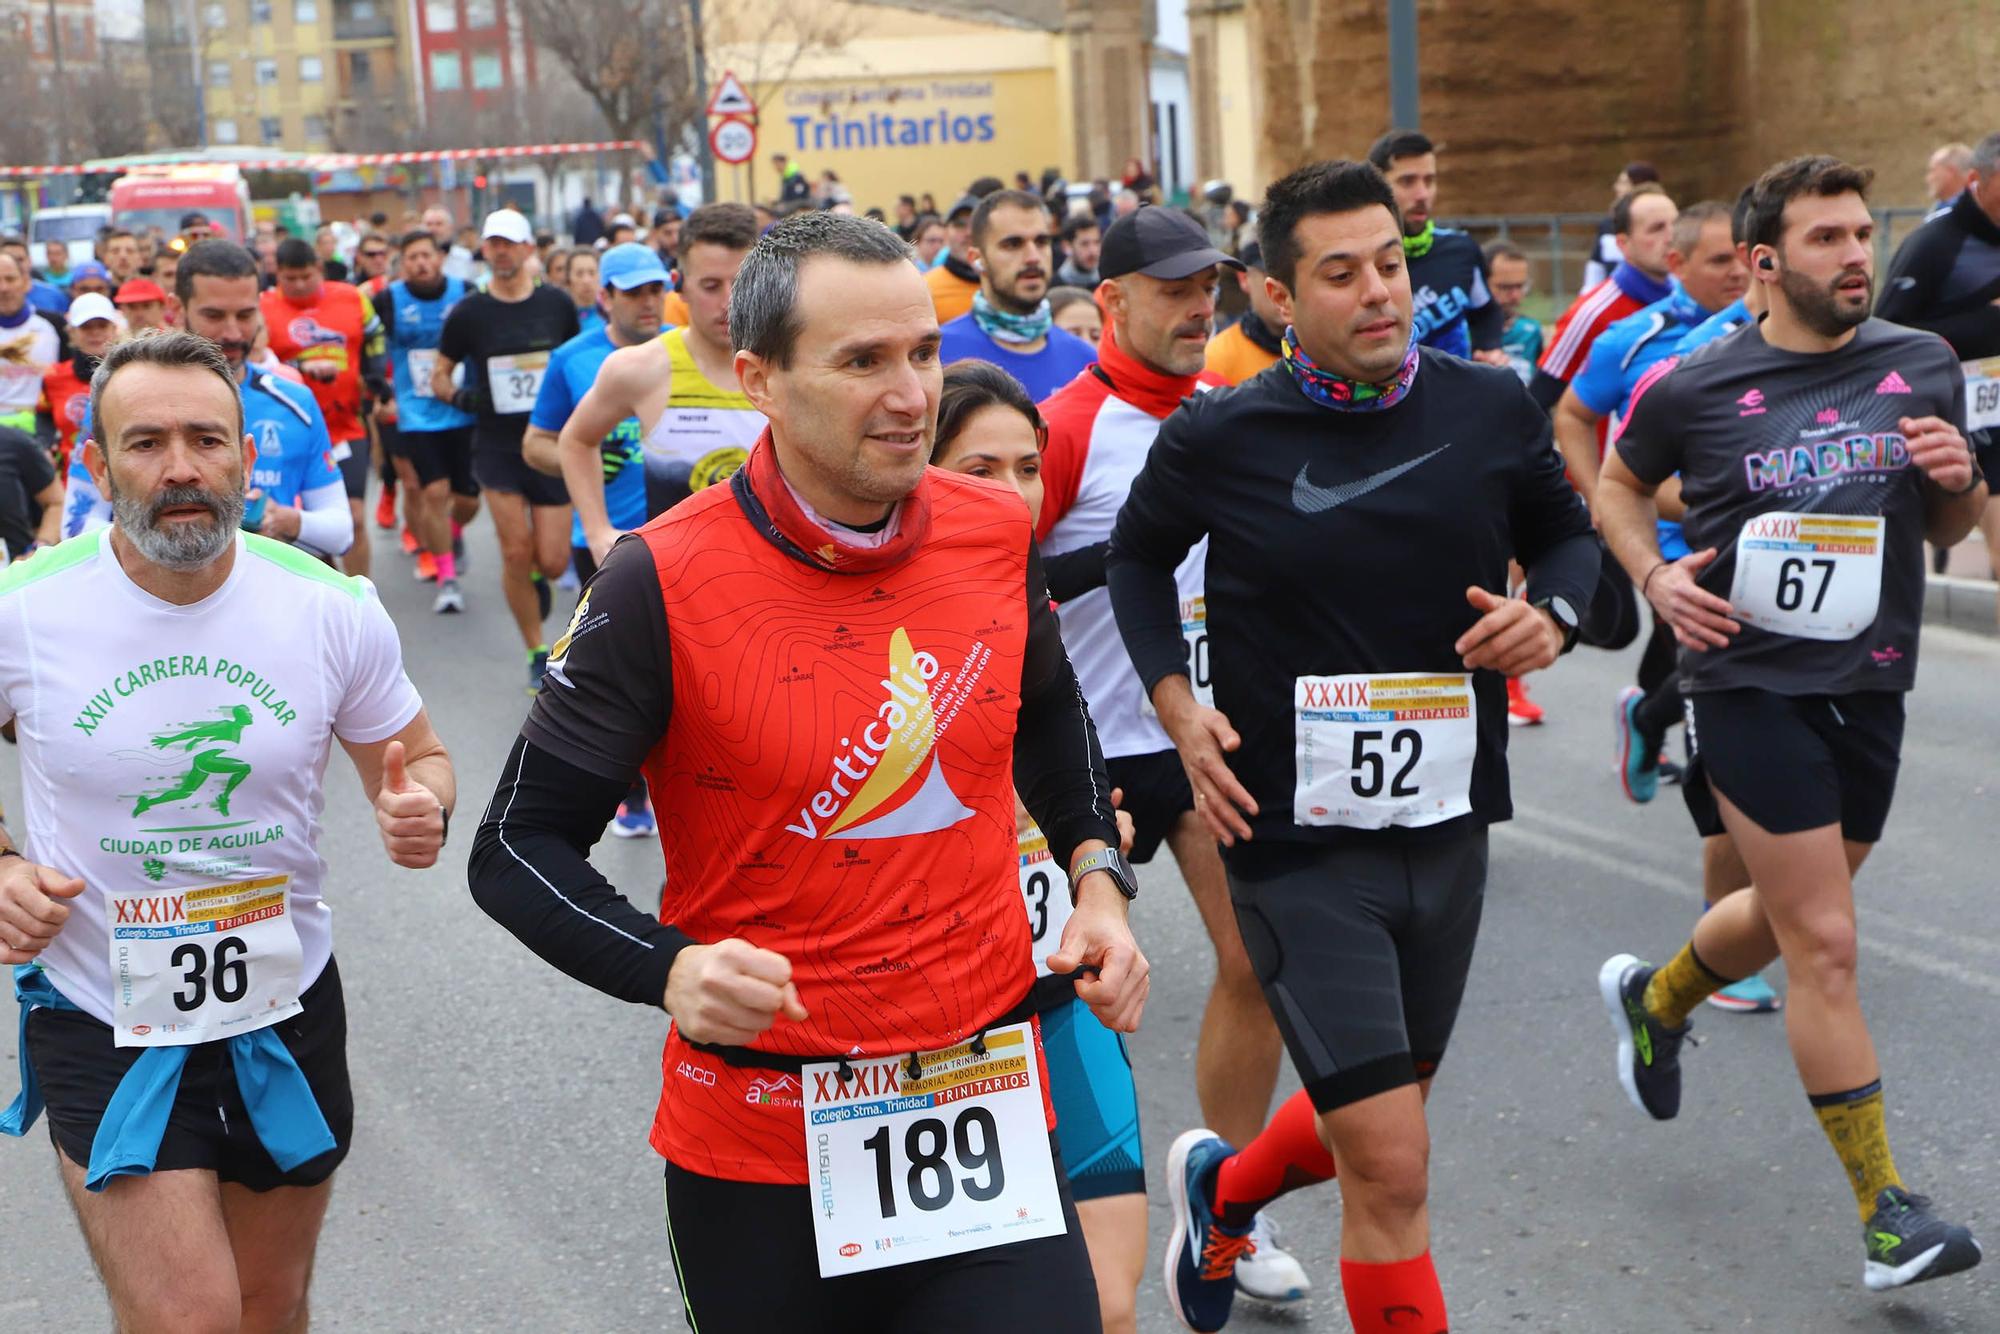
[[731, 98]]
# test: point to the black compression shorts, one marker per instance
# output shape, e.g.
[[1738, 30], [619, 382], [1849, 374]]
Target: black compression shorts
[[1156, 793], [354, 469], [79, 1067], [746, 1263], [1362, 949], [1795, 762], [507, 473], [438, 455]]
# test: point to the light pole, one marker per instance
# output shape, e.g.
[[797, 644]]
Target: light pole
[[1403, 64], [701, 90]]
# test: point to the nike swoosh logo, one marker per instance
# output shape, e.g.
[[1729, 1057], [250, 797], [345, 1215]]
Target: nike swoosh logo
[[1310, 499]]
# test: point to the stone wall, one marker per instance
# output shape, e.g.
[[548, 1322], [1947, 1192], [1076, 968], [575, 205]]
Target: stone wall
[[1537, 103]]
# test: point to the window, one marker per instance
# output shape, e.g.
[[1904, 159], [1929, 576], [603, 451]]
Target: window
[[267, 73], [260, 11], [215, 16], [360, 73], [316, 129], [362, 11], [311, 69], [486, 70], [441, 15], [223, 131], [305, 13], [271, 129], [480, 14], [447, 74], [38, 27], [218, 74]]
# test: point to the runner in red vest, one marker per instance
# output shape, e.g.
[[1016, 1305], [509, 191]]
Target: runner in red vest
[[328, 331], [834, 671]]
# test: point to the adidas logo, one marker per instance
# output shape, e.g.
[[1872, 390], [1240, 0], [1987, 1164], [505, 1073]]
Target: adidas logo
[[1892, 383]]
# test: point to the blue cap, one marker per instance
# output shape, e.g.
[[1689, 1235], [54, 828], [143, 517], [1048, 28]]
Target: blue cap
[[90, 268], [631, 265]]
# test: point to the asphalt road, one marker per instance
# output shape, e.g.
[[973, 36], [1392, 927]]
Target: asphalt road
[[501, 1178]]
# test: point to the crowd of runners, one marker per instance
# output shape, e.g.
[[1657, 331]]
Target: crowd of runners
[[1082, 526]]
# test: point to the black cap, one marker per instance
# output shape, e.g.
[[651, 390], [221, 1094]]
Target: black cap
[[194, 220], [1160, 243], [967, 204], [1252, 255]]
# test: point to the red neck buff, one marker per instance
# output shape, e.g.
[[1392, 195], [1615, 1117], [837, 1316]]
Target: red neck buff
[[1138, 383], [761, 491]]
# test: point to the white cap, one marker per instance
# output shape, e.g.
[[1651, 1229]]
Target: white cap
[[508, 225], [92, 306]]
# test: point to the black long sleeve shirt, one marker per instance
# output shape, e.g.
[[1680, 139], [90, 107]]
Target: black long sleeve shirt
[[1946, 277], [1344, 542], [583, 744]]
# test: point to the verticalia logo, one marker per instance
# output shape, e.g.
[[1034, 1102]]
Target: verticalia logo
[[891, 750]]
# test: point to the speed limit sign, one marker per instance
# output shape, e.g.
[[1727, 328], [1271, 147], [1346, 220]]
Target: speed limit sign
[[734, 141]]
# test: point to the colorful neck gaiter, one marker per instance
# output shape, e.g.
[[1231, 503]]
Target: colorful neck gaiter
[[1004, 326], [1416, 247], [1339, 392]]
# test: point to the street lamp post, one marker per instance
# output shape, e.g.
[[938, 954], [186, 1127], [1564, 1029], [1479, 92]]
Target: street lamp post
[[1403, 64]]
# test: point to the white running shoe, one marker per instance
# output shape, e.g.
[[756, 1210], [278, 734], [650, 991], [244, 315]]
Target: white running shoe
[[1269, 1273], [449, 599]]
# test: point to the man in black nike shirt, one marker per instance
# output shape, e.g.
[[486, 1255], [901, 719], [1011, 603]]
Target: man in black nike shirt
[[1817, 450], [1360, 634]]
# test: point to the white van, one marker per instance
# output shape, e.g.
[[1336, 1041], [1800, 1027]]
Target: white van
[[75, 224]]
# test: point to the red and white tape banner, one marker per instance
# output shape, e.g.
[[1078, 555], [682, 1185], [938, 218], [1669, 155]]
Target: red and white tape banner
[[322, 162]]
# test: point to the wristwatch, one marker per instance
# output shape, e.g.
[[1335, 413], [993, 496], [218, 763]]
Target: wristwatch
[[1110, 861], [1565, 618]]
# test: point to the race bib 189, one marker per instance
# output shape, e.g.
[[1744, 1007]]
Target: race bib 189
[[515, 381], [1045, 894], [911, 1167], [194, 965], [1375, 751], [1813, 576]]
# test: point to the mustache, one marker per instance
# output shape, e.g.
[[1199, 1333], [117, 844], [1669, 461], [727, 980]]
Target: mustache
[[180, 497]]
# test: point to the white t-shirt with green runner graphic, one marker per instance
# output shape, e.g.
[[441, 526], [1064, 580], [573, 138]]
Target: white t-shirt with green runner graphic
[[173, 758]]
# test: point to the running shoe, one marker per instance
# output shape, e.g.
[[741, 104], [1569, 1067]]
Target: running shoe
[[1201, 1253], [449, 599], [411, 546], [1521, 711], [426, 568], [545, 600], [1649, 1053], [385, 508], [1907, 1243], [1753, 995], [1638, 763], [538, 667], [1671, 773], [1268, 1272], [633, 822]]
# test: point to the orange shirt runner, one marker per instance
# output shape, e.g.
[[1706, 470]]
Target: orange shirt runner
[[336, 328]]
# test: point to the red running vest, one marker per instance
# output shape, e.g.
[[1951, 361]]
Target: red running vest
[[836, 784]]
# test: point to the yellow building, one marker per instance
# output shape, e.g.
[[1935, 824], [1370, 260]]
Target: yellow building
[[301, 74], [897, 100]]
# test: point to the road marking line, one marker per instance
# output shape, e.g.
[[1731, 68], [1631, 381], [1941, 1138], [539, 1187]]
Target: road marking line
[[1624, 869]]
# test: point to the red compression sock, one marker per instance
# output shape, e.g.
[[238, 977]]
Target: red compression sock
[[1398, 1298], [1284, 1157]]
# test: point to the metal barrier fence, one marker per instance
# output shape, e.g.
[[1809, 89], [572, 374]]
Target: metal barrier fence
[[1559, 244]]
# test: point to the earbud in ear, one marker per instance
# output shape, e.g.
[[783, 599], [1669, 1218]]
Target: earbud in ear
[[1765, 264]]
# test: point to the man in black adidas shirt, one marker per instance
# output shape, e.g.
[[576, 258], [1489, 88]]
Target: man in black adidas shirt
[[1817, 451], [1357, 567]]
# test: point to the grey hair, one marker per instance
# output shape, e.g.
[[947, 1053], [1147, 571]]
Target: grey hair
[[1986, 157], [763, 306], [160, 347]]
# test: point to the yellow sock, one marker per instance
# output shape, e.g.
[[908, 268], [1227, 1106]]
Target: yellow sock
[[1853, 1125], [1682, 984]]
